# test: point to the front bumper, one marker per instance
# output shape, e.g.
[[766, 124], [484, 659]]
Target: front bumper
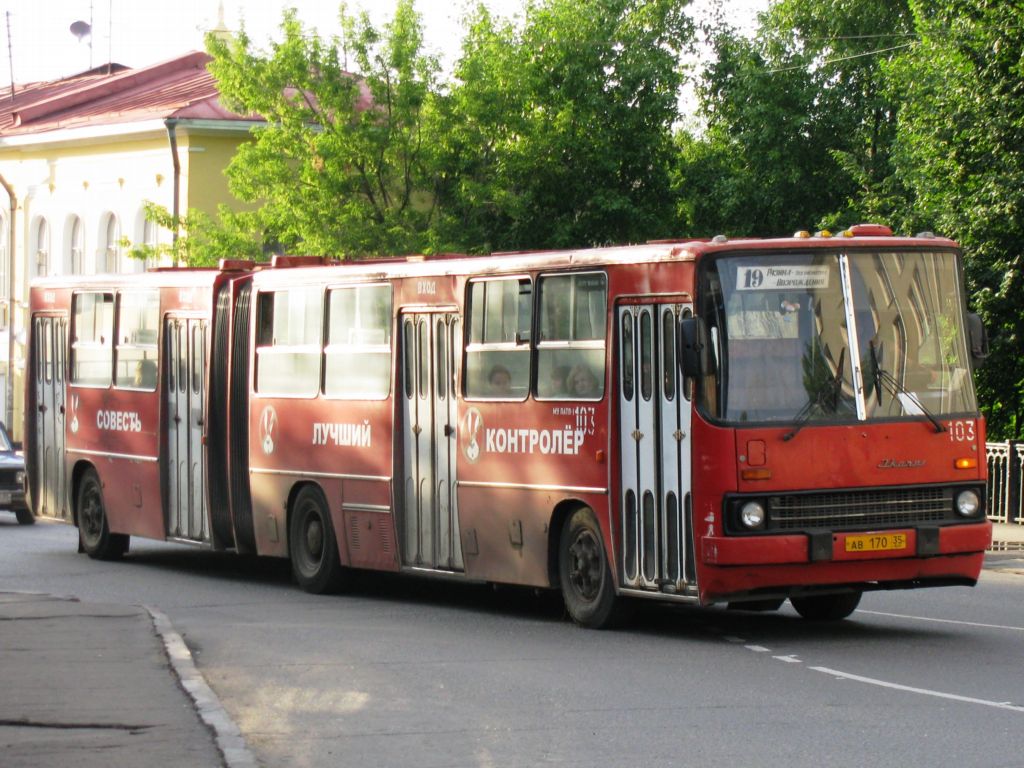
[[12, 498], [783, 564]]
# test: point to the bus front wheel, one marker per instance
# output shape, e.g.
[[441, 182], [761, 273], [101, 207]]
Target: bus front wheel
[[312, 544], [585, 577], [93, 532], [826, 607]]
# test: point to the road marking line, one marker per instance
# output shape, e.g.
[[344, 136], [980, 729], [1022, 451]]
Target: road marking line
[[733, 639], [943, 621], [921, 691], [757, 648], [788, 659]]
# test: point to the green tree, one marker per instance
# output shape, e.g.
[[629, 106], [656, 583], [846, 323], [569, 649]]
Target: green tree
[[202, 240], [560, 129], [960, 149], [800, 116], [339, 167]]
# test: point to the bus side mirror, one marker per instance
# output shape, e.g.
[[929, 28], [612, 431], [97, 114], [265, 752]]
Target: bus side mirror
[[694, 348], [977, 336]]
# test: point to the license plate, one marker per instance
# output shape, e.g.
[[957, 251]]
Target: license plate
[[876, 542], [5, 497]]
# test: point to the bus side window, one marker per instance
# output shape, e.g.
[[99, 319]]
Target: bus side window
[[357, 358], [47, 357], [706, 391], [138, 314], [687, 382], [571, 347], [93, 335], [288, 342], [498, 352]]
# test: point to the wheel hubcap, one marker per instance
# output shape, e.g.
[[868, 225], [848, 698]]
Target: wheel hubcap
[[315, 539], [92, 517], [585, 568]]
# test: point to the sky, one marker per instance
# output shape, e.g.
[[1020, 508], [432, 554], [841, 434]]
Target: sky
[[38, 43]]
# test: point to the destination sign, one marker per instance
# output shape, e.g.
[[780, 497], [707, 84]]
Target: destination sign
[[797, 277]]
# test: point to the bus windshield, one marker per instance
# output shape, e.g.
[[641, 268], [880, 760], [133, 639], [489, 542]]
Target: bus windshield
[[837, 337]]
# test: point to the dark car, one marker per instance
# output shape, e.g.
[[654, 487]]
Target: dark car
[[12, 480]]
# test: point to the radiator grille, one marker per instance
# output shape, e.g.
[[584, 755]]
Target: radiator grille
[[895, 507], [9, 478]]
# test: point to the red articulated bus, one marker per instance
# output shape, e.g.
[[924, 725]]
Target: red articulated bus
[[723, 421]]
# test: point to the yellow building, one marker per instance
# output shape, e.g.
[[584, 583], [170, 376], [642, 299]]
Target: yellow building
[[80, 157]]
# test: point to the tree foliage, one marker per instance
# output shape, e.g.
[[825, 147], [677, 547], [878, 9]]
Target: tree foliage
[[561, 127], [200, 240], [961, 151], [338, 167], [799, 118]]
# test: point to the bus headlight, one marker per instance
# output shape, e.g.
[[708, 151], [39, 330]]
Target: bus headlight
[[752, 515], [967, 503]]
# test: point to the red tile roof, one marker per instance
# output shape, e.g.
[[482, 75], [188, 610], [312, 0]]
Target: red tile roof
[[177, 88]]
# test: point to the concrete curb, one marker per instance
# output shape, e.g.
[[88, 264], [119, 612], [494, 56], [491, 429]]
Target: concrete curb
[[227, 735]]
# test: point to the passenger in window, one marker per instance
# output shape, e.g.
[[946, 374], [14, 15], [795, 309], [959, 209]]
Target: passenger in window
[[581, 382], [500, 380], [557, 381], [145, 374]]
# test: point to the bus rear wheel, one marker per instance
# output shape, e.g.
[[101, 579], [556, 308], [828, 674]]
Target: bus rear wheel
[[312, 544], [94, 534], [826, 607], [584, 575]]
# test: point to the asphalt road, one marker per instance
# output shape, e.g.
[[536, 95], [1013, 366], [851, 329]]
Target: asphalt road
[[405, 672]]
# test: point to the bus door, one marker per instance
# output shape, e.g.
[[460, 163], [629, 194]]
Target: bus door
[[430, 522], [185, 340], [654, 413], [50, 336]]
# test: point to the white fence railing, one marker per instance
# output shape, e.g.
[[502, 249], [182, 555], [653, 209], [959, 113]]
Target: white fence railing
[[1005, 482]]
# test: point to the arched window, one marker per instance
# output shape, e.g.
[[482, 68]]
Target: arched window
[[77, 261], [111, 245], [42, 243], [151, 239]]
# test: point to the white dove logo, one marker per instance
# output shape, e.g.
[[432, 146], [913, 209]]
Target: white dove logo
[[268, 424]]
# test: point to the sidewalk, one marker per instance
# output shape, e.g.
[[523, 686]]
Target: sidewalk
[[1007, 552], [95, 685], [1008, 533]]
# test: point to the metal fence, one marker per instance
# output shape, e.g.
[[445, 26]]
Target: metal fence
[[1005, 481]]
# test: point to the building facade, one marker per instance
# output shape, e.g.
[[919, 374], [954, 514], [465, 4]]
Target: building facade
[[79, 160]]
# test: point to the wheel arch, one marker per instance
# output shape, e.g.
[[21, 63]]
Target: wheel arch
[[75, 479], [562, 512], [293, 494]]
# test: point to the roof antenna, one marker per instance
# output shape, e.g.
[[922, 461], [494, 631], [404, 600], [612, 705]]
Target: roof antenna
[[10, 53]]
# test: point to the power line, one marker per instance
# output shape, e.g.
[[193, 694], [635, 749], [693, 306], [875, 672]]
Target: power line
[[844, 58], [861, 37]]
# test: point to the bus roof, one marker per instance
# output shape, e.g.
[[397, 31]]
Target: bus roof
[[860, 237], [660, 251]]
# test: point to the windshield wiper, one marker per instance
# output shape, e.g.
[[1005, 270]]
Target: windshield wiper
[[876, 370], [803, 416], [882, 378]]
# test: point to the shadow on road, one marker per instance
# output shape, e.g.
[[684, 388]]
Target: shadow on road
[[650, 618]]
